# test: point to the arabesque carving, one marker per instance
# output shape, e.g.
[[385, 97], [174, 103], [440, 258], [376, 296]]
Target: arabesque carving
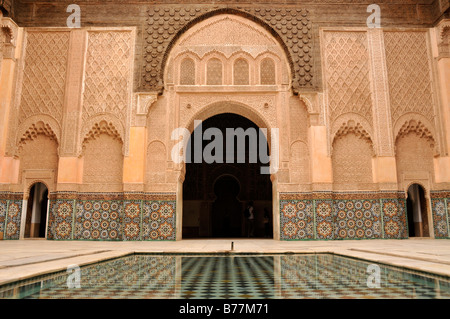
[[32, 133], [419, 128], [44, 77], [409, 73], [347, 73], [102, 128], [352, 127], [292, 28]]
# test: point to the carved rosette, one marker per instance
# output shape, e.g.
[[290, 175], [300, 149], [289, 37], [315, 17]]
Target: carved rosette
[[164, 25]]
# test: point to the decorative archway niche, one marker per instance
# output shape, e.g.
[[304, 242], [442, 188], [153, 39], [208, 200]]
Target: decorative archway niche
[[245, 71]]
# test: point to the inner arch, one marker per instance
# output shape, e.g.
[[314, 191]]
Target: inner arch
[[215, 195]]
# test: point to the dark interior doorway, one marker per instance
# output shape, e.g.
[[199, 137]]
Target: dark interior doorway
[[226, 209], [36, 219], [215, 194], [417, 212]]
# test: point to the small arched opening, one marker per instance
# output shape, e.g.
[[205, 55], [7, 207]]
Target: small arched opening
[[37, 211], [417, 212]]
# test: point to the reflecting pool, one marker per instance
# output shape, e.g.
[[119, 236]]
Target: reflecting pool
[[232, 277]]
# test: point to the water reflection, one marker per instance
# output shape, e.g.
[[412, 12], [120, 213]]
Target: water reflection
[[228, 277]]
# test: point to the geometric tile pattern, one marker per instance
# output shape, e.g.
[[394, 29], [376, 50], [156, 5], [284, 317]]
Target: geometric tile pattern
[[60, 220], [220, 277], [360, 217], [112, 219], [99, 220], [324, 219], [159, 220], [357, 219], [13, 219], [3, 209], [297, 218], [132, 220], [394, 219], [441, 220], [319, 276]]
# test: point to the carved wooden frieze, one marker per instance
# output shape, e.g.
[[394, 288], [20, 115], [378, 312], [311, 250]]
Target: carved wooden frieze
[[291, 27]]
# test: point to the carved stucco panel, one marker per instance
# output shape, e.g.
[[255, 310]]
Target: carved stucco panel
[[108, 80], [264, 105], [409, 73], [44, 74], [347, 73]]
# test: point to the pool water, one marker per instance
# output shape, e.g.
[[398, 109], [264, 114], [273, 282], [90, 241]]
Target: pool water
[[233, 277]]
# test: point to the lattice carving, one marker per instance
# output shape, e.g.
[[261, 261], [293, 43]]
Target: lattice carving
[[347, 74], [44, 75], [107, 74], [267, 72], [187, 72], [419, 129], [39, 153], [414, 157], [214, 72], [103, 157], [103, 161], [241, 72], [409, 74], [352, 161]]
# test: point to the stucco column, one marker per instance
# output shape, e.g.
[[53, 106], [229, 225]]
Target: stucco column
[[10, 47], [442, 57], [70, 167], [384, 166]]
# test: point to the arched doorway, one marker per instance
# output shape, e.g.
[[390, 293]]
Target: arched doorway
[[215, 192], [36, 218], [417, 212]]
